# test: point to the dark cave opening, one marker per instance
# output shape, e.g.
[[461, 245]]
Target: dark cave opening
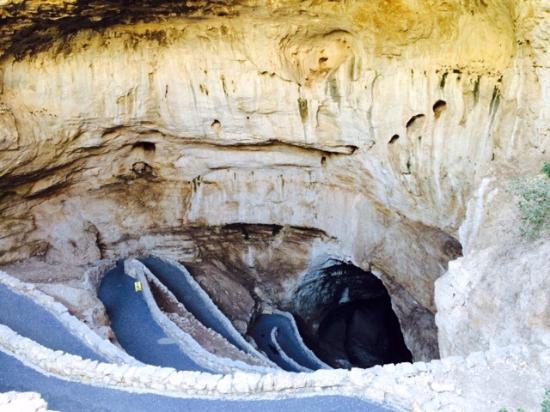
[[363, 333], [145, 146], [345, 315]]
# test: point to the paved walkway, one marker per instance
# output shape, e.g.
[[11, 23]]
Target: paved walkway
[[31, 320], [288, 338], [267, 341], [136, 330], [293, 356], [67, 396], [196, 301]]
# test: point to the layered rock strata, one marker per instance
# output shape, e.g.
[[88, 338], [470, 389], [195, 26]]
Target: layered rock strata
[[256, 139]]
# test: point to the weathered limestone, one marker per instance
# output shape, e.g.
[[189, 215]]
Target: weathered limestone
[[252, 139], [100, 346], [510, 377], [22, 402]]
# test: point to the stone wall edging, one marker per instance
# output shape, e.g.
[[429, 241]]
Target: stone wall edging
[[169, 382], [23, 402], [282, 353], [298, 337], [208, 301], [72, 324], [137, 270], [400, 386], [170, 296]]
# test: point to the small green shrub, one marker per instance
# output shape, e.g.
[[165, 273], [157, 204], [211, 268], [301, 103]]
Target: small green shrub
[[533, 202], [545, 405]]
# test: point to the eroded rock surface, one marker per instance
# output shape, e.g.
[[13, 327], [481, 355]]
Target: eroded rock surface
[[23, 401], [255, 139]]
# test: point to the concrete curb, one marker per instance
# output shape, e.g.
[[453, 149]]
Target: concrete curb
[[282, 353], [134, 268], [77, 328], [437, 385], [23, 402], [221, 317], [312, 357]]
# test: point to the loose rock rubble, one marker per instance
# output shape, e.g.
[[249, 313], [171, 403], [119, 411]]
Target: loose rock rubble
[[22, 402], [254, 140]]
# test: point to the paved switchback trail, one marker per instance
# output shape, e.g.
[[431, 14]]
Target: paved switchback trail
[[68, 396], [33, 321], [134, 326]]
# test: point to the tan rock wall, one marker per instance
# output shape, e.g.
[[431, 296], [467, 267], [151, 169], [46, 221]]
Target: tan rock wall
[[371, 123]]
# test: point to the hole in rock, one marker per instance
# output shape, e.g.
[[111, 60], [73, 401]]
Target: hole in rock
[[276, 229], [362, 333], [439, 107], [142, 169], [145, 146], [346, 316], [216, 125], [413, 119], [394, 139]]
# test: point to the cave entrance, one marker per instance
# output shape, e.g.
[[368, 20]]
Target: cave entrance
[[364, 333], [346, 316]]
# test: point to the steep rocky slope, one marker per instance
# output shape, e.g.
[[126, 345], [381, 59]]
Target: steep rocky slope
[[253, 140]]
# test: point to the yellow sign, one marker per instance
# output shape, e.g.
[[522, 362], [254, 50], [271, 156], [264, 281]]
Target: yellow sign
[[137, 286]]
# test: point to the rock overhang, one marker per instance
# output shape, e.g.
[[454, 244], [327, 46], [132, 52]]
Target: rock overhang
[[332, 84]]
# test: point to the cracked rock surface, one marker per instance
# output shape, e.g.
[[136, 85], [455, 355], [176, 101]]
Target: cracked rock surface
[[253, 140]]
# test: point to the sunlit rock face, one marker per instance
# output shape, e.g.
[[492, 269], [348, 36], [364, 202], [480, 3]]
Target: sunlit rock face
[[255, 139]]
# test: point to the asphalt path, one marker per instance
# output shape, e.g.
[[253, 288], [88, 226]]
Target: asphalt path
[[288, 338], [185, 291], [68, 396], [134, 326], [33, 321], [267, 340]]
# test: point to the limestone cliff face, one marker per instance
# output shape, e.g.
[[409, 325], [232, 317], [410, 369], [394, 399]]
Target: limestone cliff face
[[362, 130]]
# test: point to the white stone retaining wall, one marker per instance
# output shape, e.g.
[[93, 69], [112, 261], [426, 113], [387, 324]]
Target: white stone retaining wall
[[182, 316], [273, 340], [94, 275], [22, 402], [517, 376], [220, 315], [312, 357], [187, 344], [72, 324]]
